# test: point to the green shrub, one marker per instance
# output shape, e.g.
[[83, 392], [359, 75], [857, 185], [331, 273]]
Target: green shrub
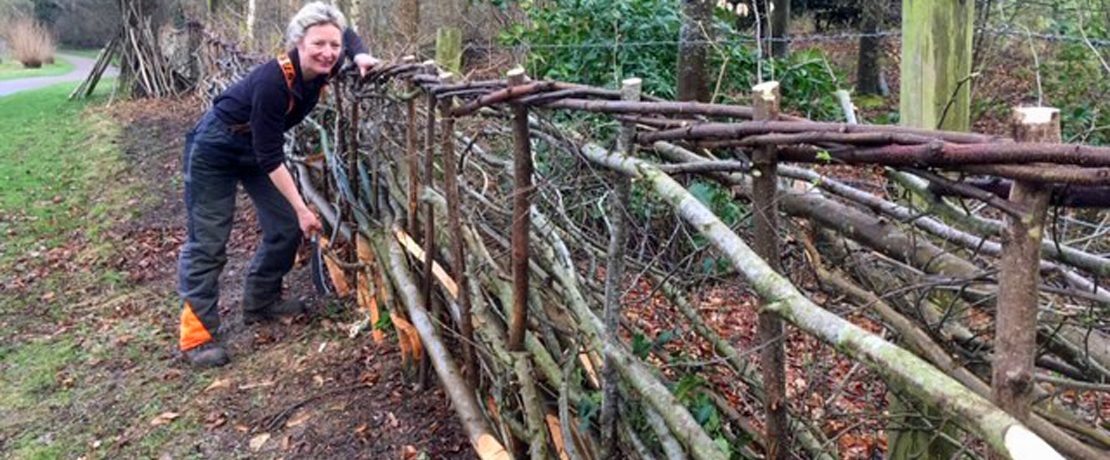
[[601, 42]]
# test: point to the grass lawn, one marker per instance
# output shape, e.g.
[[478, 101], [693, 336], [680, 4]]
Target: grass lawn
[[70, 363], [11, 69], [49, 157]]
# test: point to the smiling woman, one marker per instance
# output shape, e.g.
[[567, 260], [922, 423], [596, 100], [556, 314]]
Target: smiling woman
[[239, 141]]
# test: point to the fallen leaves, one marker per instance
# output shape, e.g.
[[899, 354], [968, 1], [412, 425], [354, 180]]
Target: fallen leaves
[[257, 442], [164, 418], [251, 386], [298, 420], [215, 419], [218, 384]]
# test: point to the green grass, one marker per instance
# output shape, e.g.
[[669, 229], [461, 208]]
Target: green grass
[[47, 160], [31, 373], [54, 161], [11, 69]]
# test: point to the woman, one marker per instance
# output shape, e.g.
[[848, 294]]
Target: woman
[[239, 141]]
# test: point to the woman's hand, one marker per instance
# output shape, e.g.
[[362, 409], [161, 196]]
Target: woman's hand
[[310, 225], [366, 62]]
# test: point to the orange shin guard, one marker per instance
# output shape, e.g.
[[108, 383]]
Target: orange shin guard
[[193, 332]]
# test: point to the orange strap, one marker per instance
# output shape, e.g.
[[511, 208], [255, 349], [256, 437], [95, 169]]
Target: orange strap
[[290, 73]]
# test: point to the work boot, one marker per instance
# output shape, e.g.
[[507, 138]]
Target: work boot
[[281, 308], [210, 354]]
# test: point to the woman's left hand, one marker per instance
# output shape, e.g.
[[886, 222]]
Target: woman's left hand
[[366, 62]]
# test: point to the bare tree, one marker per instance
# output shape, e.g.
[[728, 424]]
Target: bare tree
[[868, 66], [780, 28]]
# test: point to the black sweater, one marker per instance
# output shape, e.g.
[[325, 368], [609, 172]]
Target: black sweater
[[262, 99]]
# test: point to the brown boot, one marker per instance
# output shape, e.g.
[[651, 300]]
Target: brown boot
[[282, 308], [210, 354]]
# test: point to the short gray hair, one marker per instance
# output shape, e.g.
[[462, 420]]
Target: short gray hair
[[313, 14]]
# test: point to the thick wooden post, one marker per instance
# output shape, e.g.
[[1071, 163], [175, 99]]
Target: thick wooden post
[[614, 273], [935, 93], [936, 63], [522, 203], [697, 19], [1016, 323], [765, 102], [454, 226]]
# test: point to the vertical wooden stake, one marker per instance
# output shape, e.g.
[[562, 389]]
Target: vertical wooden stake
[[412, 157], [522, 202], [454, 225], [765, 102], [1016, 323], [614, 273], [429, 212]]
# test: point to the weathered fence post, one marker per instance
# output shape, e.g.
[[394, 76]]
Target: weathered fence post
[[521, 223], [614, 272], [522, 202], [765, 103], [454, 225], [412, 157], [1016, 324], [697, 19], [429, 210], [936, 64]]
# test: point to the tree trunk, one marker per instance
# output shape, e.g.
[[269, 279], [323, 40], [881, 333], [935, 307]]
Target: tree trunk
[[249, 34], [354, 14], [780, 28], [697, 16], [868, 66]]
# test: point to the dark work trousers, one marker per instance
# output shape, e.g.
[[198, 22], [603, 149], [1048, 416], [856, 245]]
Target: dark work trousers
[[216, 159]]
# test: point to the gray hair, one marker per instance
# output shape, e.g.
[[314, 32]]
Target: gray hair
[[313, 14]]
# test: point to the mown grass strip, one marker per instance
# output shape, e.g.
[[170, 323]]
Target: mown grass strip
[[11, 69]]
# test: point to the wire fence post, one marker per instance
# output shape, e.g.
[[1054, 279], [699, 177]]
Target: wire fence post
[[765, 104]]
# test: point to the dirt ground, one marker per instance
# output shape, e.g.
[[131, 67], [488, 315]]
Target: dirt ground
[[298, 389]]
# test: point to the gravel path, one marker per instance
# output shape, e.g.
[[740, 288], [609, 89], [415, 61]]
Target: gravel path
[[81, 68]]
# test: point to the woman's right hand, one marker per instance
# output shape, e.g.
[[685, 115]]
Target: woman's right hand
[[310, 225]]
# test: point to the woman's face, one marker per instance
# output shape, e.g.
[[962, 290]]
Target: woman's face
[[319, 49]]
